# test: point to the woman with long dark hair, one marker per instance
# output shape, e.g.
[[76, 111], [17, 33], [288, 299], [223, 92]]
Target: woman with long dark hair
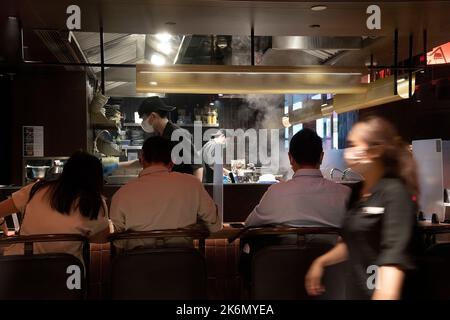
[[72, 204], [377, 233]]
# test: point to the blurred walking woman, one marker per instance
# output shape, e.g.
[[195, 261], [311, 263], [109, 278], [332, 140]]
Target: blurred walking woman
[[377, 232], [72, 204]]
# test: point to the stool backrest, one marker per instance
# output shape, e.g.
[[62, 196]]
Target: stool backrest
[[50, 276]]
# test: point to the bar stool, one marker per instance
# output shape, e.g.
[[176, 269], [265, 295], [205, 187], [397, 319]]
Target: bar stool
[[159, 271], [279, 258], [43, 276]]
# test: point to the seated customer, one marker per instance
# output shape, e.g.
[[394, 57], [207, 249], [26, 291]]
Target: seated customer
[[160, 199], [72, 204], [308, 199]]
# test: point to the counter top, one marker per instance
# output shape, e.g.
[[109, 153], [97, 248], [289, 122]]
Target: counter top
[[429, 227]]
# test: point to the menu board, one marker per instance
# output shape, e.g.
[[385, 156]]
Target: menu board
[[33, 141]]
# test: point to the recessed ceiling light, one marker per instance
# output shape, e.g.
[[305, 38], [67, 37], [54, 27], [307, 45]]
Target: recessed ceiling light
[[319, 8], [315, 26], [220, 95], [153, 83], [157, 59], [164, 47], [163, 37]]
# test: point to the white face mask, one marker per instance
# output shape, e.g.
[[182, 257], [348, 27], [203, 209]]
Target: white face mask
[[357, 160], [147, 126]]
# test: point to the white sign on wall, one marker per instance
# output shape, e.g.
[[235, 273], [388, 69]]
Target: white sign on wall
[[33, 141]]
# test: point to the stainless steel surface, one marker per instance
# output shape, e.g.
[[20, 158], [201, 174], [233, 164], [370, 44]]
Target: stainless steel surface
[[329, 44], [37, 172]]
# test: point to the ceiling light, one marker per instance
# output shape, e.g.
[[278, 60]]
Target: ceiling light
[[401, 80], [163, 37], [319, 8], [153, 83], [164, 48], [324, 104], [157, 60], [211, 103], [220, 95]]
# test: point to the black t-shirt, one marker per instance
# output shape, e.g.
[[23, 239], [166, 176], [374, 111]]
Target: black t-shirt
[[183, 167], [379, 231]]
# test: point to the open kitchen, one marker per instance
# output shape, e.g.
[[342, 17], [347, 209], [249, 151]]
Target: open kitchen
[[237, 80]]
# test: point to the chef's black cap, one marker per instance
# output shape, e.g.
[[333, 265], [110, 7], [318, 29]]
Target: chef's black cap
[[153, 104]]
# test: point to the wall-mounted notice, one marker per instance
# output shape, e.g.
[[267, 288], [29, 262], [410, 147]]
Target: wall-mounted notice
[[33, 141]]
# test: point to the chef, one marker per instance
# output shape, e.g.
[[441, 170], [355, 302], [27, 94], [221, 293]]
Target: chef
[[209, 150], [154, 113]]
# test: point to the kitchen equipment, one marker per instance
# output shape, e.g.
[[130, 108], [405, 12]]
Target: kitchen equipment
[[120, 179], [97, 104], [37, 172], [125, 142], [267, 178], [55, 170], [432, 158], [138, 142]]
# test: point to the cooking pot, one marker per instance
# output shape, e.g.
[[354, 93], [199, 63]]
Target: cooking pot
[[37, 172]]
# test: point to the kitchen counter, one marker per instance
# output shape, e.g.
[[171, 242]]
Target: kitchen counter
[[238, 199]]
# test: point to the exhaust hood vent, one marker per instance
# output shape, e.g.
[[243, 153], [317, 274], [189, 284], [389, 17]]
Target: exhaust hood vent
[[64, 50]]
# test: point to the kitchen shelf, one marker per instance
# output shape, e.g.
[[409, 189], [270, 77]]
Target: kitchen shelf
[[99, 121], [131, 147], [129, 124], [190, 125]]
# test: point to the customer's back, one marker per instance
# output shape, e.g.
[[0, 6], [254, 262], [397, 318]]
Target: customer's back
[[73, 204], [307, 199], [159, 199]]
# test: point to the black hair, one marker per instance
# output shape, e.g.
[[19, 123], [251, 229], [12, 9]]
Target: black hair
[[80, 186], [306, 147], [157, 149]]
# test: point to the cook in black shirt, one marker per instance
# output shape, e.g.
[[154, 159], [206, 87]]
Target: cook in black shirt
[[153, 112], [377, 234]]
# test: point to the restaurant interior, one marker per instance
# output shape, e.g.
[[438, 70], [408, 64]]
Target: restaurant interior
[[74, 73]]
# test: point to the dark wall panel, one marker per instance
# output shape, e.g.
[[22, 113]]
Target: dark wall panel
[[56, 100]]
